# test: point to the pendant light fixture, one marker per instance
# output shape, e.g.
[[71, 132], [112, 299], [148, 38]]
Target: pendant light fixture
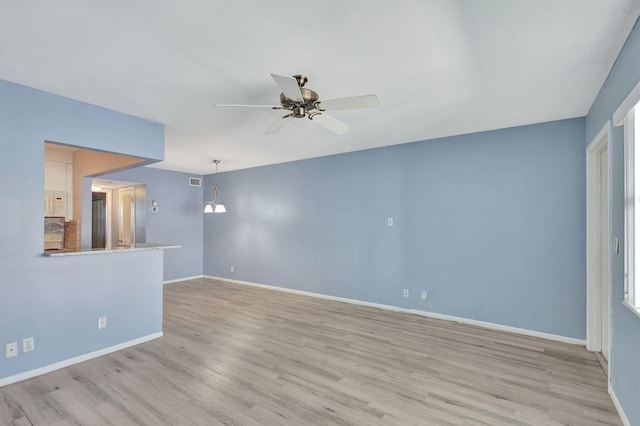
[[216, 205]]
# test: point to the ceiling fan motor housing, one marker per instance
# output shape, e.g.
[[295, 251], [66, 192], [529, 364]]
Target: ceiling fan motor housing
[[309, 98]]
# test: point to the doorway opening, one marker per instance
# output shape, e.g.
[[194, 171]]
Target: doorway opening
[[118, 213], [598, 246], [98, 220]]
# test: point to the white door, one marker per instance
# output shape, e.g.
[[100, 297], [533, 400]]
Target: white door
[[127, 217], [604, 251]]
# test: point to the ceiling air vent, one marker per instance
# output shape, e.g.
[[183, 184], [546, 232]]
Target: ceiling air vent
[[195, 181]]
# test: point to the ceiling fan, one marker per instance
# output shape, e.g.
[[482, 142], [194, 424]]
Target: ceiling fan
[[302, 102]]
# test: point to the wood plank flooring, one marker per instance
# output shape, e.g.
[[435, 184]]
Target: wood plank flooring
[[240, 355]]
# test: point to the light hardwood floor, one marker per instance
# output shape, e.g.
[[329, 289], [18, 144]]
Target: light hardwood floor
[[240, 355]]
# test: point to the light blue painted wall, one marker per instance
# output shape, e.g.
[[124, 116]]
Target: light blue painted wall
[[178, 220], [491, 224], [624, 360], [58, 300]]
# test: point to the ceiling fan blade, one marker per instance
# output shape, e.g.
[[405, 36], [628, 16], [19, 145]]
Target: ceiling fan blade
[[353, 102], [289, 87], [252, 106], [326, 121], [277, 125]]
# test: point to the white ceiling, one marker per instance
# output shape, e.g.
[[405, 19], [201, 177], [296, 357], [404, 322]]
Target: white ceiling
[[441, 68]]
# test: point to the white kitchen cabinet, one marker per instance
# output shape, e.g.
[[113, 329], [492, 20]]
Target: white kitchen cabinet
[[55, 203]]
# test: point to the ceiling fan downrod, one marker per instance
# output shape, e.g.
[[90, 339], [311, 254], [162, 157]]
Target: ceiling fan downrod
[[301, 79]]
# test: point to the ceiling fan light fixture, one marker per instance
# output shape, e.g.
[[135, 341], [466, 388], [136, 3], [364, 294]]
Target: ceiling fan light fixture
[[299, 112]]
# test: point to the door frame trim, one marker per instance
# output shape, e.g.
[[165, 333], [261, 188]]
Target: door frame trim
[[598, 144], [121, 213], [108, 223]]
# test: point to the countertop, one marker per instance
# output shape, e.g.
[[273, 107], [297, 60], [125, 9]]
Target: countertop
[[117, 249]]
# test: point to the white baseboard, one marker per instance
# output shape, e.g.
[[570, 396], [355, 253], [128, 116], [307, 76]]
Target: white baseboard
[[428, 314], [614, 398], [76, 360], [183, 279]]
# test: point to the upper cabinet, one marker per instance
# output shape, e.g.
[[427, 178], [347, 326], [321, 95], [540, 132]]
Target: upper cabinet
[[56, 175], [58, 181]]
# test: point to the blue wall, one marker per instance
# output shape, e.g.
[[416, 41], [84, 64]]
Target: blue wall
[[491, 225], [58, 300], [178, 220], [625, 325]]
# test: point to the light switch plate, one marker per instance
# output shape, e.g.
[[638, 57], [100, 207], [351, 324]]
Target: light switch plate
[[102, 322]]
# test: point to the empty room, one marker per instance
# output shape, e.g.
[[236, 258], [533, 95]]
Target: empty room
[[324, 213]]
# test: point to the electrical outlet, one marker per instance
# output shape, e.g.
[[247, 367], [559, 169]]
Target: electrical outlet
[[389, 221], [11, 350], [102, 322], [28, 344], [405, 292], [423, 295], [231, 269]]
